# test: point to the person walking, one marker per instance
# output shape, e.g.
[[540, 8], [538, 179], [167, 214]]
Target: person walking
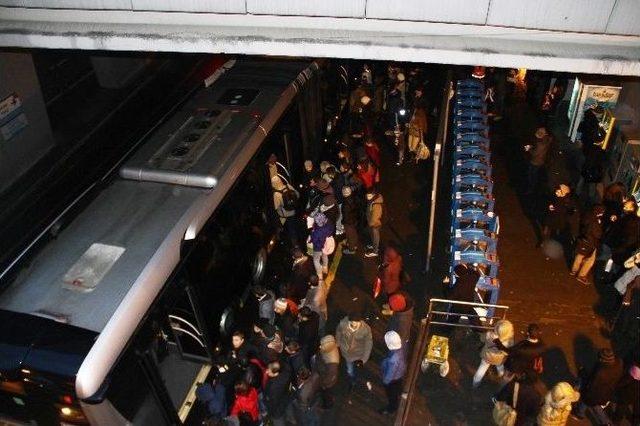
[[326, 364], [394, 367], [557, 405], [308, 334], [355, 342], [285, 202], [623, 237], [522, 396], [525, 357], [463, 289], [276, 392], [316, 300], [286, 317], [266, 299], [599, 386], [559, 210], [350, 216], [490, 354], [302, 269], [417, 129], [322, 229], [538, 152], [375, 208], [588, 243]]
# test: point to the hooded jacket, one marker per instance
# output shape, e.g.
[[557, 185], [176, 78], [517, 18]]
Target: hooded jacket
[[276, 392], [374, 211], [490, 352], [246, 403], [316, 299], [394, 366], [391, 271], [557, 405], [354, 345]]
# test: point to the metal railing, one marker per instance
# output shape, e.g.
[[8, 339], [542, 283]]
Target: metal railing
[[422, 340]]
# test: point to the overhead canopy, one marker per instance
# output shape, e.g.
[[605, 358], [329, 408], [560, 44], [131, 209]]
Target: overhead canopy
[[386, 35]]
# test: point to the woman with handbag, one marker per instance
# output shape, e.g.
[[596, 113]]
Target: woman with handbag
[[588, 243], [517, 403], [557, 405], [490, 353]]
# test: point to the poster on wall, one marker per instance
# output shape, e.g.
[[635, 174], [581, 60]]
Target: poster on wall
[[585, 96], [12, 117]]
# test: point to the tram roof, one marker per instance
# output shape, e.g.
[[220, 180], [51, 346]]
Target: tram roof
[[127, 241]]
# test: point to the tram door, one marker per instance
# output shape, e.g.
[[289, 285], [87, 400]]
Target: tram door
[[183, 354]]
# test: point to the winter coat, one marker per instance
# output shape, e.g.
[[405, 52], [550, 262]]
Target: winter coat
[[214, 398], [276, 393], [287, 322], [308, 336], [327, 364], [490, 352], [628, 392], [331, 212], [528, 402], [306, 394], [350, 211], [299, 283], [394, 366], [354, 345], [374, 211], [591, 229], [391, 271], [246, 403], [296, 362], [601, 384], [464, 288], [557, 405], [624, 237], [368, 176], [253, 372], [265, 307], [563, 207], [522, 356], [373, 152], [316, 299], [540, 150], [278, 203], [627, 278], [319, 235], [401, 321]]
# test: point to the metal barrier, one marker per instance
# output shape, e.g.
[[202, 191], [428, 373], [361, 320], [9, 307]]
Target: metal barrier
[[422, 341]]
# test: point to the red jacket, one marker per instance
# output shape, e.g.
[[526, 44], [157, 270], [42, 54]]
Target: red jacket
[[246, 403], [373, 151], [368, 176], [391, 271]]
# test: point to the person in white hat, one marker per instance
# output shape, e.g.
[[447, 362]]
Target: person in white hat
[[394, 367], [490, 353]]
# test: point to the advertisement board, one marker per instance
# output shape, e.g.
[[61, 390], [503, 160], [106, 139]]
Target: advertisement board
[[586, 96]]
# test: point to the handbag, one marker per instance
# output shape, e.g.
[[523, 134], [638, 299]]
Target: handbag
[[504, 414]]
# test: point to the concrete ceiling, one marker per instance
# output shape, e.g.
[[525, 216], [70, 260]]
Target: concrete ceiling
[[601, 37]]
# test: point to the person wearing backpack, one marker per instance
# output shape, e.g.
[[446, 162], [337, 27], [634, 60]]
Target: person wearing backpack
[[285, 200], [321, 231], [375, 206]]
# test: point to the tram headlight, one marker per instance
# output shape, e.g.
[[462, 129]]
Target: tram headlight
[[66, 411], [402, 112]]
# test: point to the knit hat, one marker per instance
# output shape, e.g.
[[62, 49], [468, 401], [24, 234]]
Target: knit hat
[[397, 302], [392, 340], [346, 191], [365, 100], [355, 316], [280, 303], [606, 356]]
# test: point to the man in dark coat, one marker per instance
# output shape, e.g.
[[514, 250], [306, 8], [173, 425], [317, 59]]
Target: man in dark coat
[[589, 237], [624, 235], [326, 364], [525, 357], [308, 326], [302, 270], [276, 391], [464, 290], [528, 401], [295, 356], [559, 209], [305, 402], [600, 385], [350, 217], [286, 318]]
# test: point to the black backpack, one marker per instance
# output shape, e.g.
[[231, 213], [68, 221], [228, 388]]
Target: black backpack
[[289, 198]]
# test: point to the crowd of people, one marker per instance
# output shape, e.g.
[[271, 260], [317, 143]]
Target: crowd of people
[[286, 368]]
